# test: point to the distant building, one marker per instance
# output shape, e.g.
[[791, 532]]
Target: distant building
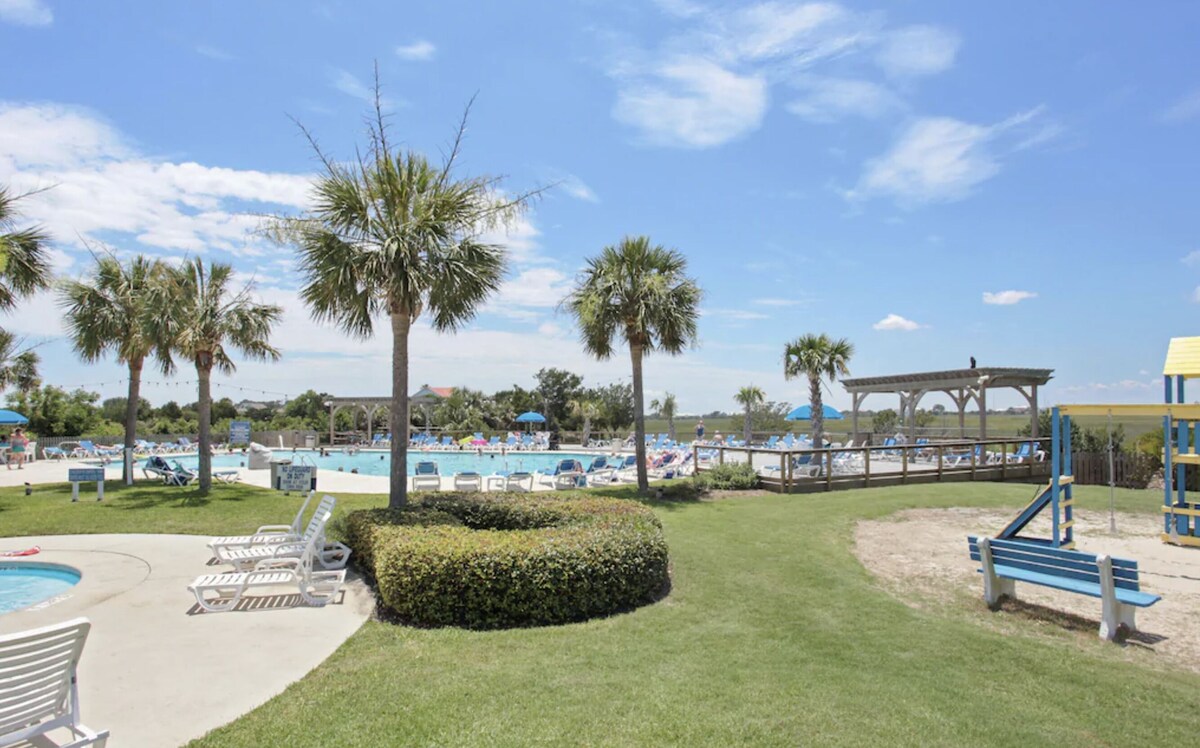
[[430, 395], [246, 406]]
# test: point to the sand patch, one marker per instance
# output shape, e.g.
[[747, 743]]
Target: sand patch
[[920, 556]]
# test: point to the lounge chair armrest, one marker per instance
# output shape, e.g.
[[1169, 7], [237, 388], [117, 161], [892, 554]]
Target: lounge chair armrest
[[273, 530], [275, 564]]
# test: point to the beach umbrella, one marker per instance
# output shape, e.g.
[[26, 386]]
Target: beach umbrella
[[12, 418], [804, 413], [530, 417]]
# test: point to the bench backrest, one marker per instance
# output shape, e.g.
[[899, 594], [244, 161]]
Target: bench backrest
[[37, 669], [1046, 559]]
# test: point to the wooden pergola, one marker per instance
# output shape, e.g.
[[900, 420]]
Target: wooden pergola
[[423, 398], [961, 385]]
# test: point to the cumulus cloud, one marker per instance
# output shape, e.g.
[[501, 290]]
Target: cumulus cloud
[[693, 103], [26, 12], [941, 159], [94, 185], [736, 315], [709, 80], [896, 322], [1186, 107], [419, 51], [213, 53], [779, 302], [831, 99], [575, 187], [1006, 298], [917, 50]]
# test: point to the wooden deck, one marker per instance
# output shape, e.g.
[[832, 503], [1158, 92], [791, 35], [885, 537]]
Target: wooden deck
[[806, 471]]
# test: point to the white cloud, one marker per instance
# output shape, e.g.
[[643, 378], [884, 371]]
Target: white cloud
[[1005, 298], [830, 99], [1191, 258], [26, 12], [738, 315], [419, 51], [1184, 108], [707, 82], [349, 84], [941, 159], [575, 187], [917, 50], [691, 102], [214, 53], [1196, 295], [780, 302], [94, 184], [896, 322]]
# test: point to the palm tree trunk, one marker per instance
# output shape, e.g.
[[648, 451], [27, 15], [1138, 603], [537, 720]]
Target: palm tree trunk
[[639, 419], [818, 412], [131, 409], [587, 430], [204, 408], [398, 492], [671, 426]]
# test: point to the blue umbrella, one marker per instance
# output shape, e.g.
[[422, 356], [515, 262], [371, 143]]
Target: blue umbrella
[[804, 413], [531, 417], [12, 418]]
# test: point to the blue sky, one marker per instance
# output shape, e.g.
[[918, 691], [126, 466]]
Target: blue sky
[[931, 180]]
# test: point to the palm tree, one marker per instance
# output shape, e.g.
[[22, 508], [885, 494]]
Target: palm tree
[[748, 398], [397, 235], [665, 408], [196, 311], [641, 290], [110, 312], [816, 357], [17, 368], [24, 270], [587, 410]]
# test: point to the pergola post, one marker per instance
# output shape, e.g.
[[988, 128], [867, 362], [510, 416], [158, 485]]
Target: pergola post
[[1033, 407], [961, 402], [855, 399], [982, 411]]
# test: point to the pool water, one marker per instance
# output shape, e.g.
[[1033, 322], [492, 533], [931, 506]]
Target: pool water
[[25, 583], [377, 462]]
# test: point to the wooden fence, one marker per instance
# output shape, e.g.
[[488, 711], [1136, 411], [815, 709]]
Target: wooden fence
[[799, 471], [1130, 469]]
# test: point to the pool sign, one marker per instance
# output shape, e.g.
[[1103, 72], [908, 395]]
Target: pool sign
[[239, 432], [86, 475], [295, 478]]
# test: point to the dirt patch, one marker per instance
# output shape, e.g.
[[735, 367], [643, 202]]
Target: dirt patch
[[920, 556]]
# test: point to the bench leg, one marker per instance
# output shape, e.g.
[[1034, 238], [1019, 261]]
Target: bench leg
[[994, 587], [1113, 613]]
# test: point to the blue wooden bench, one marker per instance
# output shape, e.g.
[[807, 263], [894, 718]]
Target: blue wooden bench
[[1113, 580]]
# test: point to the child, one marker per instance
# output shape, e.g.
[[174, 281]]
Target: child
[[18, 448]]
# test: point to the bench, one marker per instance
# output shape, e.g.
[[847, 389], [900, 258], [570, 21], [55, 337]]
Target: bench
[[1113, 580]]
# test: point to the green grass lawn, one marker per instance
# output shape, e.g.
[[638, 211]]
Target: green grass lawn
[[773, 634]]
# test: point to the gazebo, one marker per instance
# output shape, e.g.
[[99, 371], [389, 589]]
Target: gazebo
[[961, 385], [423, 398]]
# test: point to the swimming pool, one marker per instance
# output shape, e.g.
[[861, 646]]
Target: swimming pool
[[378, 462], [25, 583]]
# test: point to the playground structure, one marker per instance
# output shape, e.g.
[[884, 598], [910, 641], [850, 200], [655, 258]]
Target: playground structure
[[1181, 518]]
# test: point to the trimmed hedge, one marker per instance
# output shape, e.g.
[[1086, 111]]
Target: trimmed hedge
[[732, 476], [505, 560]]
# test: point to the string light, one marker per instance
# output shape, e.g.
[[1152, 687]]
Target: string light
[[180, 382]]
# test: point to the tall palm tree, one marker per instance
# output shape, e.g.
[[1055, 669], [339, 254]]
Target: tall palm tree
[[24, 267], [587, 410], [748, 398], [17, 368], [642, 291], [817, 357], [24, 270], [201, 317], [666, 409], [396, 235], [110, 311]]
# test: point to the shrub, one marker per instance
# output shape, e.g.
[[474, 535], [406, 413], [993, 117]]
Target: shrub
[[732, 476], [504, 560]]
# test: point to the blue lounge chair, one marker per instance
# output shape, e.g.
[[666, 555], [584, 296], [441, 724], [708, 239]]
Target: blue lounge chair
[[426, 476]]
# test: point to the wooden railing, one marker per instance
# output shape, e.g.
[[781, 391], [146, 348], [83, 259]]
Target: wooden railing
[[789, 471]]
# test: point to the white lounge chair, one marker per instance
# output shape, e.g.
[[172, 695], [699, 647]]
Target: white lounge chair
[[569, 480], [519, 482], [38, 691], [426, 477], [329, 555], [221, 592], [468, 482], [272, 533]]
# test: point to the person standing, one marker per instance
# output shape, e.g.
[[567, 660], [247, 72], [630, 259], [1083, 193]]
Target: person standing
[[700, 430], [18, 448]]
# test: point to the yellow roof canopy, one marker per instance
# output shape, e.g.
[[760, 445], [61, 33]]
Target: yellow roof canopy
[[1183, 358]]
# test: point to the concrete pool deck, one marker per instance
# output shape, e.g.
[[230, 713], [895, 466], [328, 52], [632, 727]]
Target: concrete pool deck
[[155, 671]]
